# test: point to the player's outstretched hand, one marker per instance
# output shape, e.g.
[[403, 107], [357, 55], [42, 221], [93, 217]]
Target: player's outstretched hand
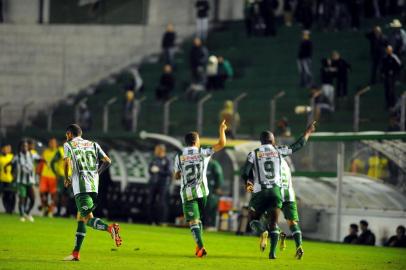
[[223, 126], [311, 128], [249, 187], [67, 182]]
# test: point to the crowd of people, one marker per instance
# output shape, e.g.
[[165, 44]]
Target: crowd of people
[[24, 169], [367, 237]]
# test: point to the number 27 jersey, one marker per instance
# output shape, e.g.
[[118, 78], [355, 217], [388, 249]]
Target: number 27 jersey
[[192, 165]]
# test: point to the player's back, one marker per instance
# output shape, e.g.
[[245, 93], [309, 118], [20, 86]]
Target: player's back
[[267, 164], [85, 156]]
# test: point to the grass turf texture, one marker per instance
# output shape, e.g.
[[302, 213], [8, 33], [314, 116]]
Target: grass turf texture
[[42, 245]]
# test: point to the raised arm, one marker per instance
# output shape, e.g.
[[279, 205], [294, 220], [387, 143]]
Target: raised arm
[[222, 137], [296, 146]]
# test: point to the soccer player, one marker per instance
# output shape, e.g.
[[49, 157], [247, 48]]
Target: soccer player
[[82, 157], [24, 163], [265, 165], [48, 180], [190, 167], [289, 209]]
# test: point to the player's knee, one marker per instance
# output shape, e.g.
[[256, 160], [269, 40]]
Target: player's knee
[[194, 222]]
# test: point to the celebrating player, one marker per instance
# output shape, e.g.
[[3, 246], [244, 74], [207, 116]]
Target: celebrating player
[[265, 165], [190, 167], [84, 157], [289, 209]]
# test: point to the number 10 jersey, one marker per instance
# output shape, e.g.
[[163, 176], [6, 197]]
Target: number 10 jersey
[[85, 156], [192, 165]]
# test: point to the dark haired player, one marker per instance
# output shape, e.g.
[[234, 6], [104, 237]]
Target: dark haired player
[[190, 167], [264, 164], [83, 157]]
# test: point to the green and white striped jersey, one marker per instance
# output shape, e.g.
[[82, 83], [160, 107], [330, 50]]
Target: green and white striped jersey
[[85, 156], [266, 161], [287, 191], [192, 164], [25, 167]]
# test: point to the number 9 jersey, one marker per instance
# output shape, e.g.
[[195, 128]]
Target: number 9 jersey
[[266, 165], [192, 164], [85, 156]]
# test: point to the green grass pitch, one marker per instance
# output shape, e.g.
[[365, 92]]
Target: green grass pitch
[[42, 245]]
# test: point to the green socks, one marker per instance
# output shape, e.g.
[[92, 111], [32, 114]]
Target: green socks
[[274, 235], [297, 234], [98, 224], [257, 226], [197, 234], [80, 235]]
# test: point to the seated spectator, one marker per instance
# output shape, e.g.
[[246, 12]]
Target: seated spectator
[[232, 118], [341, 74], [225, 72], [198, 60], [166, 84], [128, 108], [212, 73], [85, 117], [352, 236], [322, 104], [168, 45], [398, 240], [194, 92], [366, 237]]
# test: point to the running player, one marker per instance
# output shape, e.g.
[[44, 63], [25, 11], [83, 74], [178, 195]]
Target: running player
[[24, 164], [83, 156], [265, 165], [289, 209], [190, 167]]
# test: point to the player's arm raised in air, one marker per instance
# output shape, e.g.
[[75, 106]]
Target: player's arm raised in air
[[222, 137], [296, 146]]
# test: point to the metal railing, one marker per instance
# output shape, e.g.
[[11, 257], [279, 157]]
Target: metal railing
[[199, 125], [136, 113], [24, 120], [77, 109], [357, 107], [167, 116], [403, 112], [312, 114], [272, 110], [106, 114], [236, 102]]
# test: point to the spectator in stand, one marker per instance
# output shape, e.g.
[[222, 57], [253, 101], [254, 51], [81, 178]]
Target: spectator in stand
[[390, 70], [137, 84], [366, 237], [202, 18], [282, 128], [128, 110], [85, 117], [327, 72], [249, 16], [304, 60], [377, 44], [168, 45], [224, 72], [341, 74], [267, 12], [6, 178], [354, 6], [198, 60], [287, 12], [398, 240], [212, 73], [321, 103], [232, 118], [166, 84], [397, 37], [352, 237]]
